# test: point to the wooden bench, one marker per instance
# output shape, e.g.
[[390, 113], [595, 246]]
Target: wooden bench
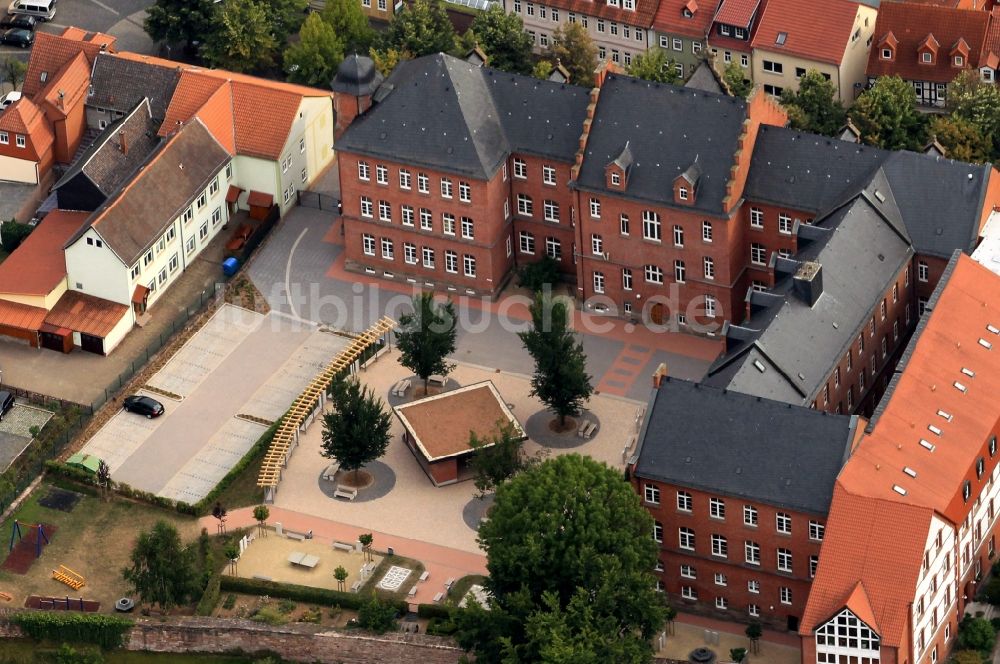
[[449, 583], [438, 597], [582, 428], [69, 577], [589, 430], [400, 388], [413, 591], [343, 546], [295, 536], [426, 575], [356, 586], [346, 492], [261, 577]]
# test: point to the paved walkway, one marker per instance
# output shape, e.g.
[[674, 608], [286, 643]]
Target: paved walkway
[[442, 562], [689, 633]]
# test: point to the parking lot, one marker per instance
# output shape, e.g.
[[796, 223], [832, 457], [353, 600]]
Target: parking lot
[[241, 367], [121, 18], [15, 431]]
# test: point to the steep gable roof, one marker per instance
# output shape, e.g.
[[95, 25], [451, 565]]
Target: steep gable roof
[[50, 53], [670, 17], [120, 83], [744, 446], [912, 24], [818, 31], [38, 265], [24, 117], [68, 87], [701, 125]]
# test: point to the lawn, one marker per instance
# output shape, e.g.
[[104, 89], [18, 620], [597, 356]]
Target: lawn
[[95, 539]]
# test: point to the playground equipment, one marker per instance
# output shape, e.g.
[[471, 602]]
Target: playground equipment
[[15, 532], [69, 577], [6, 596]]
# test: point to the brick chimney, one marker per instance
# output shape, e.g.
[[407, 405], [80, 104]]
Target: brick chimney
[[122, 142], [659, 375]]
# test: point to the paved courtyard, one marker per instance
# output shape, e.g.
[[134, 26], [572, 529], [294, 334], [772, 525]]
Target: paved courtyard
[[300, 270], [403, 501], [15, 431], [241, 367]]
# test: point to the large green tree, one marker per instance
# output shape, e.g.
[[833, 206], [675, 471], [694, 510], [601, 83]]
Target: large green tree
[[162, 571], [504, 40], [242, 39], [560, 380], [286, 17], [176, 21], [960, 138], [570, 556], [655, 65], [349, 24], [421, 28], [814, 107], [13, 70], [499, 457], [573, 48], [312, 60], [426, 337], [735, 79], [357, 430], [887, 117], [978, 103]]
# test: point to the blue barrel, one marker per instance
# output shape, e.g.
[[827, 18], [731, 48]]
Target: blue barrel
[[229, 266]]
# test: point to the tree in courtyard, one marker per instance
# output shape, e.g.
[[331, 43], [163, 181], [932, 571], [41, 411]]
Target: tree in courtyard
[[261, 513], [242, 40], [976, 634], [754, 631], [735, 79], [426, 337], [232, 554], [966, 657], [357, 430], [499, 457], [13, 70], [187, 21], [560, 380], [285, 18], [377, 616], [386, 60], [502, 37], [421, 28], [366, 540], [340, 574], [350, 25], [814, 107], [161, 571], [978, 102], [220, 514], [655, 65], [669, 615], [960, 138], [573, 48], [103, 478], [313, 59], [570, 562], [542, 70], [887, 117]]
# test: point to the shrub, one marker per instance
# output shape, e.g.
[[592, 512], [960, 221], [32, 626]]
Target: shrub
[[210, 598], [441, 627], [991, 591], [737, 654], [976, 634], [67, 654], [286, 606], [312, 615], [966, 657], [433, 611], [377, 616], [534, 276], [304, 594], [253, 455], [105, 631], [13, 234], [269, 616], [229, 602]]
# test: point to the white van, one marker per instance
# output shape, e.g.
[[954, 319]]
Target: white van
[[43, 10]]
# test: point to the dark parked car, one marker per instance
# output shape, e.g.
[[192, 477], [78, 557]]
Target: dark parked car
[[18, 37], [6, 403], [143, 406], [22, 21]]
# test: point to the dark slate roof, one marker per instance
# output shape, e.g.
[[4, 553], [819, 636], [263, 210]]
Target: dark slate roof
[[861, 249], [445, 113], [668, 127], [704, 79], [356, 76], [120, 84], [732, 444], [105, 163], [814, 173], [176, 173]]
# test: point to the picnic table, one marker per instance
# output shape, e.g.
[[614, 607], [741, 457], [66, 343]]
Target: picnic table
[[302, 559]]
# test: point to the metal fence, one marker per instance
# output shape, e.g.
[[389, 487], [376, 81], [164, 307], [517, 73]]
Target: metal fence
[[314, 199]]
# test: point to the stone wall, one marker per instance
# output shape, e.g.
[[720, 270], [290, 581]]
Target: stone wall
[[300, 642]]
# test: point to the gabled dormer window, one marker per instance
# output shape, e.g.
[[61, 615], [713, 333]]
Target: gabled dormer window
[[958, 61], [987, 74], [616, 179], [887, 54], [927, 58], [682, 193], [686, 13]]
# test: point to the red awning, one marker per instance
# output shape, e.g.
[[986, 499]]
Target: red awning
[[260, 199], [139, 295], [233, 193]]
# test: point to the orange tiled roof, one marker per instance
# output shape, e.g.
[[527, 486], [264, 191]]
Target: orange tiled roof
[[21, 316], [193, 90], [818, 31], [85, 313], [50, 53], [911, 24], [670, 17], [991, 45], [877, 545], [71, 81], [39, 264], [24, 117], [282, 107], [736, 12]]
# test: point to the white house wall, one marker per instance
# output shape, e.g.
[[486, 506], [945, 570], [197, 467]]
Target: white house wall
[[118, 332], [317, 130], [46, 301], [943, 600], [97, 270], [18, 170]]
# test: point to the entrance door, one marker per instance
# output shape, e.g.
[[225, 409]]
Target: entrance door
[[92, 344], [793, 624]]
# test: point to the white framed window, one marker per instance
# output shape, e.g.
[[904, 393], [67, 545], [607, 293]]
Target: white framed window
[[447, 223], [923, 271], [387, 252], [688, 572], [426, 220], [524, 205], [626, 279], [678, 44], [468, 231], [381, 174], [428, 255], [526, 242], [754, 611], [653, 274], [750, 515], [687, 592], [598, 282], [551, 210], [758, 253], [366, 207], [813, 566], [720, 547], [720, 579], [706, 231], [678, 236], [364, 171], [202, 201], [783, 523], [520, 166], [423, 183], [616, 179], [469, 263], [595, 208], [410, 253], [651, 494], [203, 231], [685, 538], [404, 178], [464, 192], [623, 224], [816, 531], [756, 218], [384, 211], [753, 586], [597, 245], [651, 225], [406, 214], [717, 508], [190, 245], [658, 532], [751, 553], [721, 603], [785, 594], [710, 306], [553, 248], [548, 175], [213, 188], [784, 224], [173, 263], [446, 188], [304, 175], [680, 271], [162, 277], [773, 67], [684, 501], [709, 265], [784, 560], [450, 261], [216, 216]]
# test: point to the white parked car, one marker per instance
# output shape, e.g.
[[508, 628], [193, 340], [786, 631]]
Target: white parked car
[[9, 99]]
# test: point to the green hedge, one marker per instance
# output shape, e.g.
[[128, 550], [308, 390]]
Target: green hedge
[[204, 506], [322, 596], [434, 611], [210, 598], [57, 626]]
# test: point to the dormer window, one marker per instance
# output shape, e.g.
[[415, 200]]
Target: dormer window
[[616, 179], [724, 30], [927, 57], [686, 13], [887, 54], [781, 38], [959, 61], [987, 74], [740, 33], [682, 192]]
